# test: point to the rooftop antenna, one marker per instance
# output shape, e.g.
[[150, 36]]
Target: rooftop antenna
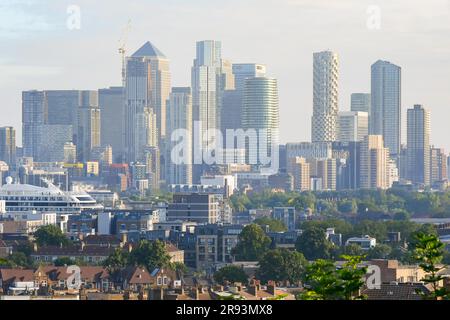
[[122, 49]]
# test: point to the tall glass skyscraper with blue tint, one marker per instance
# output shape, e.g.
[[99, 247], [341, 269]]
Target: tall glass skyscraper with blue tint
[[385, 113]]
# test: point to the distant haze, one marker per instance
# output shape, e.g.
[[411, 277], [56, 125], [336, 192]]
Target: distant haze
[[38, 51]]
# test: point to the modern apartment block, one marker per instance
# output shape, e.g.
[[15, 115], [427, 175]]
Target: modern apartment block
[[195, 207], [418, 145], [324, 126], [8, 145], [325, 171], [285, 215], [261, 113], [360, 102], [112, 108], [179, 124], [214, 244], [353, 126], [299, 168], [438, 166], [232, 104], [373, 163]]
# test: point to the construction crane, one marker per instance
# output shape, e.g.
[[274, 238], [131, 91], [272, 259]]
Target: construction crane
[[122, 49]]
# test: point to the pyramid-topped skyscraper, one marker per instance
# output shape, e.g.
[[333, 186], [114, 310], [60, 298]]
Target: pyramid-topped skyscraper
[[149, 50], [147, 89]]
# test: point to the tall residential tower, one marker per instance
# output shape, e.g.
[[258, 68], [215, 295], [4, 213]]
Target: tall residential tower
[[324, 126]]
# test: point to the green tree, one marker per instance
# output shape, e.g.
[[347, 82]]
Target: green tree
[[320, 281], [428, 253], [351, 276], [180, 268], [252, 243], [274, 225], [380, 251], [19, 259], [281, 265], [402, 215], [63, 261], [414, 237], [352, 249], [231, 274], [116, 262], [326, 282], [348, 206], [314, 244], [4, 262], [50, 235], [376, 229], [151, 254]]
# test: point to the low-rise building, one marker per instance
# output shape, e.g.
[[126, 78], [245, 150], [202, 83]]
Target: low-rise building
[[365, 242], [214, 244], [88, 254]]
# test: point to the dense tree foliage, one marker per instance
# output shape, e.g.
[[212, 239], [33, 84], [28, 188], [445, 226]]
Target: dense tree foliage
[[116, 262], [314, 244], [281, 265], [151, 254], [395, 203], [274, 225], [63, 261], [428, 253], [324, 281], [50, 235], [231, 273], [252, 243]]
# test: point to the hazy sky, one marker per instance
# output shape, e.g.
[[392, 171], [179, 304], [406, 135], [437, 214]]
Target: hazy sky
[[39, 51]]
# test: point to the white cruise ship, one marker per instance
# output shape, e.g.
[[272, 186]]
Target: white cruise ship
[[25, 198]]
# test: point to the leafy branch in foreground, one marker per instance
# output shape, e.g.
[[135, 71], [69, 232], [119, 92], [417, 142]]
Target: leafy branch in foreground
[[324, 281], [429, 252]]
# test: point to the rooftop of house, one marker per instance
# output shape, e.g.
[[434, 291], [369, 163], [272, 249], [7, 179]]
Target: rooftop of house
[[170, 247], [13, 275], [73, 250], [137, 275], [396, 291], [101, 240], [54, 273]]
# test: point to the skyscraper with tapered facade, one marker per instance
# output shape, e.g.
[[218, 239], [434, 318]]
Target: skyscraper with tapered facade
[[324, 126]]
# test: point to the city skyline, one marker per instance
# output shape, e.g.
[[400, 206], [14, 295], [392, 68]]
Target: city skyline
[[423, 67]]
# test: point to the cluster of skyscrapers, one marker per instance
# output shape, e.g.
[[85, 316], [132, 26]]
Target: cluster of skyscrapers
[[130, 135], [365, 142]]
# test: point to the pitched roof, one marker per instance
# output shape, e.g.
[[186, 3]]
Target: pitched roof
[[170, 247], [86, 272], [101, 240], [137, 275], [394, 291], [148, 50], [71, 251], [11, 275]]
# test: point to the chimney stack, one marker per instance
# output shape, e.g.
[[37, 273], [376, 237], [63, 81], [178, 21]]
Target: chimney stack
[[271, 287]]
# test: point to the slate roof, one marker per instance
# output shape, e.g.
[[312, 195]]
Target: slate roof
[[394, 291]]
